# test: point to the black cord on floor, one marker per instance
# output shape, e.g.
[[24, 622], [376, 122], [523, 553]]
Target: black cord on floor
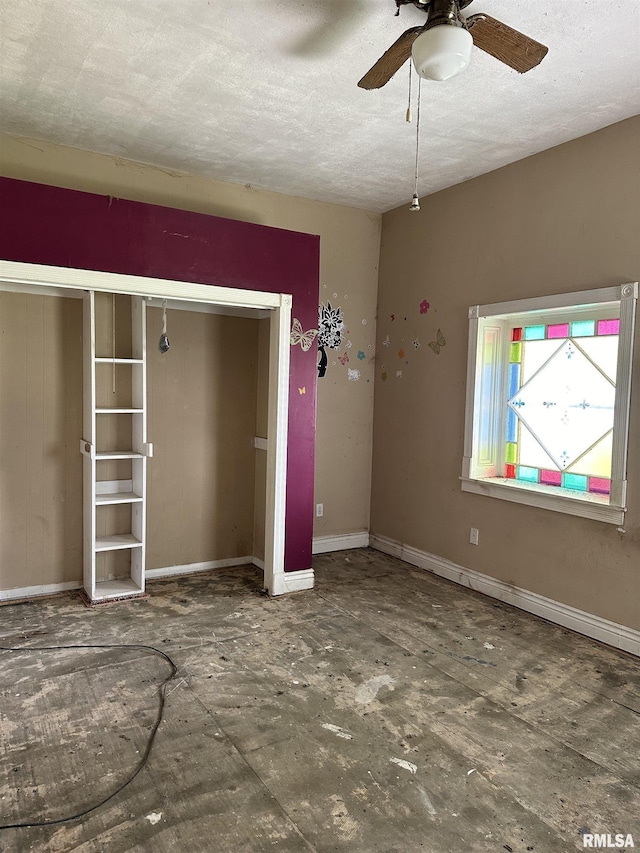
[[161, 703]]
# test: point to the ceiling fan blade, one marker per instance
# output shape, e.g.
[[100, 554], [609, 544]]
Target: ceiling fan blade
[[390, 61], [506, 44]]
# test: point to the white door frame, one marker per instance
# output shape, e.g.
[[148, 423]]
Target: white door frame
[[48, 280]]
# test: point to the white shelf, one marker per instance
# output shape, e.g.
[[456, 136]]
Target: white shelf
[[117, 588], [117, 542], [118, 454], [117, 410], [110, 498], [127, 491], [118, 361]]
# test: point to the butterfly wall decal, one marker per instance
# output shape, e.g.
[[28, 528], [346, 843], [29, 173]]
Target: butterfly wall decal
[[439, 342], [298, 336]]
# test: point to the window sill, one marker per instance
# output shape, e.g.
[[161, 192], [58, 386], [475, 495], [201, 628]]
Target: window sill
[[548, 497]]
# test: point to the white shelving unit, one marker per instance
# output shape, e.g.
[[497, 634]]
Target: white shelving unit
[[114, 480]]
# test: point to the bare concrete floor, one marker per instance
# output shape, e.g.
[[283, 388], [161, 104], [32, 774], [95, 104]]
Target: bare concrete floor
[[387, 710]]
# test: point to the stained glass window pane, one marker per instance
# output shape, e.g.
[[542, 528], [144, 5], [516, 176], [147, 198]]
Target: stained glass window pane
[[534, 333], [514, 378], [516, 334], [512, 452], [510, 472], [567, 405], [604, 352], [575, 481], [515, 352], [599, 486], [534, 355], [583, 328], [551, 478], [531, 452], [608, 327], [558, 330], [597, 460], [512, 426], [529, 475]]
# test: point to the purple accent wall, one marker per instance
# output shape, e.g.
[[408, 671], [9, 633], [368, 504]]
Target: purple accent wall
[[41, 224]]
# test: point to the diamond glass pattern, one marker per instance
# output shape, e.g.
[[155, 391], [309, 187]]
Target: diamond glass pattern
[[567, 405]]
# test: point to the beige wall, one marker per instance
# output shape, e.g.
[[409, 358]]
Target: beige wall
[[566, 219], [40, 431], [349, 251], [202, 398], [202, 401]]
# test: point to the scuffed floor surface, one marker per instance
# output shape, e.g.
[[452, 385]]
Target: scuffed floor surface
[[387, 710]]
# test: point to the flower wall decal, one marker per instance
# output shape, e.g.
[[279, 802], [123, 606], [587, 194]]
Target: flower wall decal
[[330, 331], [330, 326]]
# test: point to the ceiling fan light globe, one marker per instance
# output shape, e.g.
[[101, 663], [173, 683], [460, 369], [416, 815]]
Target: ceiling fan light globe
[[442, 52]]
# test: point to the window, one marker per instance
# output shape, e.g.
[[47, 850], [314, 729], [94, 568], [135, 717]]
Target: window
[[548, 391]]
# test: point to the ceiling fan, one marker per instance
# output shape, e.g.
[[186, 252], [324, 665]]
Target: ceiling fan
[[442, 47]]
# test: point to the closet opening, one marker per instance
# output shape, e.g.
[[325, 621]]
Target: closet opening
[[200, 427]]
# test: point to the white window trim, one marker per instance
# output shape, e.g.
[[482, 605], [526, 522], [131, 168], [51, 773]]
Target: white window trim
[[493, 322]]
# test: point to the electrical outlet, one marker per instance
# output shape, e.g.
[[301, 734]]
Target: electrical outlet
[[319, 510], [473, 536]]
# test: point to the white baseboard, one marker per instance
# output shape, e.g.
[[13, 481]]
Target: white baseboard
[[611, 633], [192, 568], [35, 591], [292, 581], [297, 581], [342, 542]]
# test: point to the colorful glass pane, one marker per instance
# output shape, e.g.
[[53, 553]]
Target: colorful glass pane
[[596, 462], [514, 378], [531, 452], [567, 405], [535, 354], [534, 333], [577, 482], [529, 475], [608, 327], [602, 351], [560, 404], [558, 330], [599, 486], [550, 478], [583, 328]]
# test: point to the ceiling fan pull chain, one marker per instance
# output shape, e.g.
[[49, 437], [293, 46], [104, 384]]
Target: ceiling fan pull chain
[[415, 201], [408, 117]]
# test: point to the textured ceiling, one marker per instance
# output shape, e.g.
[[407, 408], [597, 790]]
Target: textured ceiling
[[264, 92]]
